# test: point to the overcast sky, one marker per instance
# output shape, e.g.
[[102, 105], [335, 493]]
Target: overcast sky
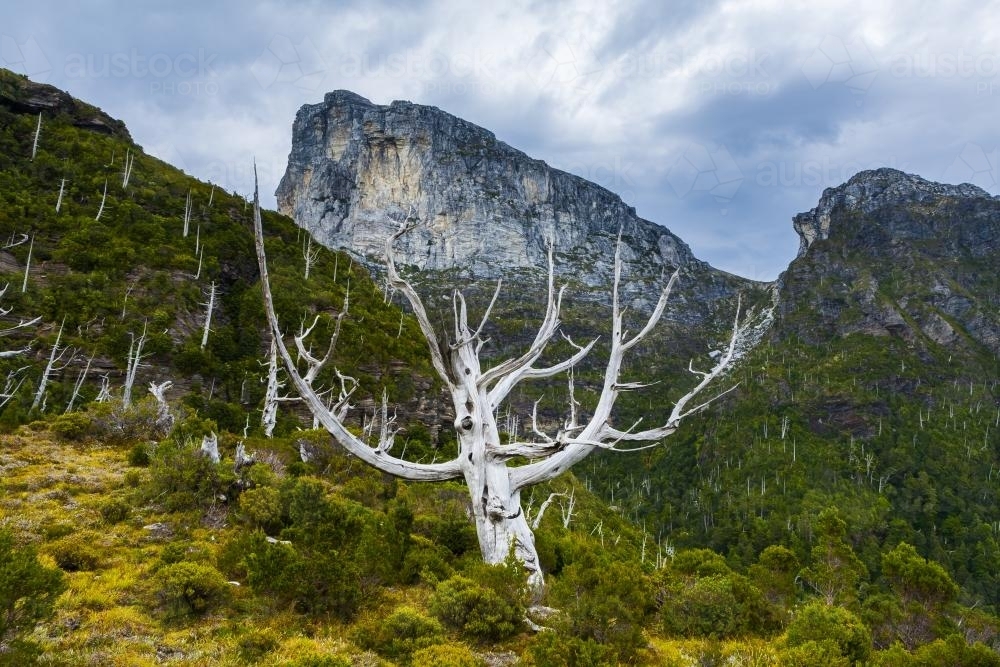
[[717, 120]]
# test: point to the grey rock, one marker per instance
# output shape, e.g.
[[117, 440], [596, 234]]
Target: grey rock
[[357, 168], [889, 253]]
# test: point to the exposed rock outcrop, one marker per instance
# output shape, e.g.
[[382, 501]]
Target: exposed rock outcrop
[[487, 207], [23, 95], [889, 253]]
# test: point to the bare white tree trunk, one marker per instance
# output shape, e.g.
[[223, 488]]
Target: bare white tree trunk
[[187, 214], [476, 394], [62, 187], [164, 417], [104, 197], [211, 195], [209, 307], [566, 509], [269, 415], [309, 254], [78, 385], [55, 356], [27, 266], [210, 447], [38, 133], [132, 367], [127, 171], [104, 394]]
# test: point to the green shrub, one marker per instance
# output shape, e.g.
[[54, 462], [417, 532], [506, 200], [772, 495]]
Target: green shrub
[[716, 606], [190, 588], [72, 426], [604, 601], [815, 653], [446, 655], [28, 591], [138, 455], [817, 622], [474, 610], [184, 477], [116, 424], [261, 507], [556, 649], [400, 634], [75, 552], [425, 561], [115, 510]]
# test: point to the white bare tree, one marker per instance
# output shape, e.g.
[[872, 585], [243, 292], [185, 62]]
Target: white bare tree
[[62, 188], [127, 170], [12, 382], [27, 265], [38, 133], [309, 254], [135, 358], [187, 214], [104, 197], [209, 307], [495, 486], [55, 357]]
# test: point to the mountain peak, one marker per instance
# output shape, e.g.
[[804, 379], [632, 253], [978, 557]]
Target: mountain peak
[[487, 208], [871, 190]]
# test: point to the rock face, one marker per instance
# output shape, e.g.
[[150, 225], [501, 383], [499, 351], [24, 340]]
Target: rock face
[[23, 95], [890, 253], [869, 192], [486, 207]]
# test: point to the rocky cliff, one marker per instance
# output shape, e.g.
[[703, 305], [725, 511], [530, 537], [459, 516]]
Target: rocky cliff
[[890, 253], [487, 208]]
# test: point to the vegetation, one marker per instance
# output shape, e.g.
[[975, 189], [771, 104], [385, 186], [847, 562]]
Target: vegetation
[[822, 515]]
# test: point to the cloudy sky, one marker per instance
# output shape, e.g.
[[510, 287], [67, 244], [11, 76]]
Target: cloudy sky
[[719, 120]]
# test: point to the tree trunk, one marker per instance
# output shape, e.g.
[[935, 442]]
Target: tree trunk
[[496, 504], [500, 521]]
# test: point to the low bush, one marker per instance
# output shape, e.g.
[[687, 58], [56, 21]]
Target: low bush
[[190, 588]]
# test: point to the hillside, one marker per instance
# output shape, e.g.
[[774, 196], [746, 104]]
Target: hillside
[[123, 540]]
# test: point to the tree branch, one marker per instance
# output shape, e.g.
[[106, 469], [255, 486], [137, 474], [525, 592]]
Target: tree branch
[[374, 457]]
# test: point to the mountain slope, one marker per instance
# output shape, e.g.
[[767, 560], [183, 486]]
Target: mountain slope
[[107, 279], [877, 392]]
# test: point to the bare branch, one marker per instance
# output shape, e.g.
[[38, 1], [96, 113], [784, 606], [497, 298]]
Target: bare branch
[[437, 355], [330, 421]]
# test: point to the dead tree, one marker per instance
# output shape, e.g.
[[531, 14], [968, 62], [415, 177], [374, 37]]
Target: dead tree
[[135, 357], [494, 486], [309, 254], [209, 307], [78, 385], [15, 377], [38, 133], [62, 188], [187, 214], [27, 265], [314, 364], [104, 197], [127, 171], [54, 358]]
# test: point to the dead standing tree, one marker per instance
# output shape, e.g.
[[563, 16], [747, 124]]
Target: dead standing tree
[[482, 460]]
